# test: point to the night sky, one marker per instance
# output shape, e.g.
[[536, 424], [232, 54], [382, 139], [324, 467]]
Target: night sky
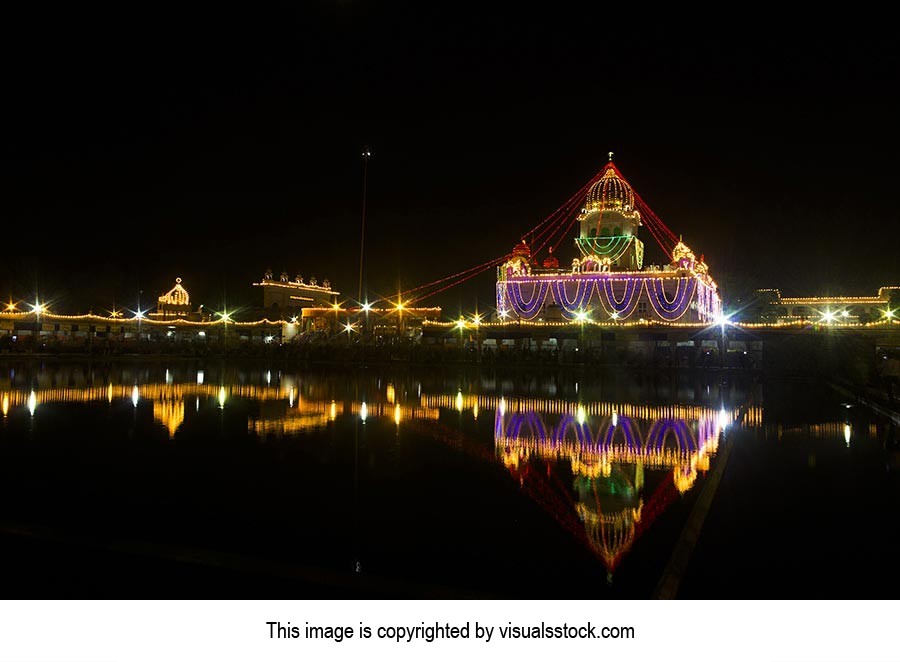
[[141, 144]]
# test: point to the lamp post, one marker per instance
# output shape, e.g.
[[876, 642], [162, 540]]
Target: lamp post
[[366, 155]]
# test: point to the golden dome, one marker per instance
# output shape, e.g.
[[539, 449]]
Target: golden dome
[[610, 192]]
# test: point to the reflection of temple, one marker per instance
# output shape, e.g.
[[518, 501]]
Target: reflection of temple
[[608, 281], [625, 470], [283, 411]]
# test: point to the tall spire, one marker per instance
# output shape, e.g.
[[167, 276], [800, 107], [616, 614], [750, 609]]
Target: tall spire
[[610, 157]]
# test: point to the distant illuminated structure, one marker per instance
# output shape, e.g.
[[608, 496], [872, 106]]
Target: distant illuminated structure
[[175, 304], [774, 308], [608, 282], [284, 294]]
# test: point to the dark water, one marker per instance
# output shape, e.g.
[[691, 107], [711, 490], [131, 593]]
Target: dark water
[[187, 480]]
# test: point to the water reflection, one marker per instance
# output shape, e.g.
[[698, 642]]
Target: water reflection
[[615, 466], [606, 478]]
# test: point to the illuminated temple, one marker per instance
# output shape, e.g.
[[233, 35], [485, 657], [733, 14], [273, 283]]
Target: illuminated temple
[[609, 280]]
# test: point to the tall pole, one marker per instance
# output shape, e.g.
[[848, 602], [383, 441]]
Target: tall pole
[[366, 155]]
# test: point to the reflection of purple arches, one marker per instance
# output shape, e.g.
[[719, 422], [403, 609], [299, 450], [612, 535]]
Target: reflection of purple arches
[[662, 428], [628, 431], [530, 308], [571, 306], [532, 421], [707, 428], [681, 300], [582, 432]]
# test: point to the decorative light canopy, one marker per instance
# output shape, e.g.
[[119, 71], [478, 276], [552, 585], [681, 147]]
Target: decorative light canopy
[[177, 296], [610, 192]]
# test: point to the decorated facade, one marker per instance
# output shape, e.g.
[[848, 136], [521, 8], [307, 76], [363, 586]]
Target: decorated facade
[[773, 308], [176, 304], [282, 293], [608, 281]]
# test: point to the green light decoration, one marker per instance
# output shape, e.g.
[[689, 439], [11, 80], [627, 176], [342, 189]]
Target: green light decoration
[[612, 247]]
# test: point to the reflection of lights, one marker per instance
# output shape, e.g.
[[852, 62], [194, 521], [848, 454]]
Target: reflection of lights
[[197, 404], [135, 395], [459, 401], [580, 415], [109, 393], [363, 412], [723, 419], [397, 414], [615, 419], [200, 376], [391, 394], [291, 397], [268, 377], [475, 411], [333, 412], [502, 406], [168, 376], [32, 402], [5, 404], [847, 433], [221, 397]]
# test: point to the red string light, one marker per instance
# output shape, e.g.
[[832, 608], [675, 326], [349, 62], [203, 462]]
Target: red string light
[[551, 231]]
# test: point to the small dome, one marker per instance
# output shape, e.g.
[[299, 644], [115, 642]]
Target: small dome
[[177, 296], [610, 192], [522, 250]]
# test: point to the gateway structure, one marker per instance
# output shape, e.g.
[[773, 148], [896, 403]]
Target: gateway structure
[[609, 281]]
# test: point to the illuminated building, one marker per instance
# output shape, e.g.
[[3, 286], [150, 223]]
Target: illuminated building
[[283, 294], [176, 304], [773, 308], [379, 321], [609, 280]]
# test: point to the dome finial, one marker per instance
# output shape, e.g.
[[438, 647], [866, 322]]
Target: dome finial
[[610, 157]]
